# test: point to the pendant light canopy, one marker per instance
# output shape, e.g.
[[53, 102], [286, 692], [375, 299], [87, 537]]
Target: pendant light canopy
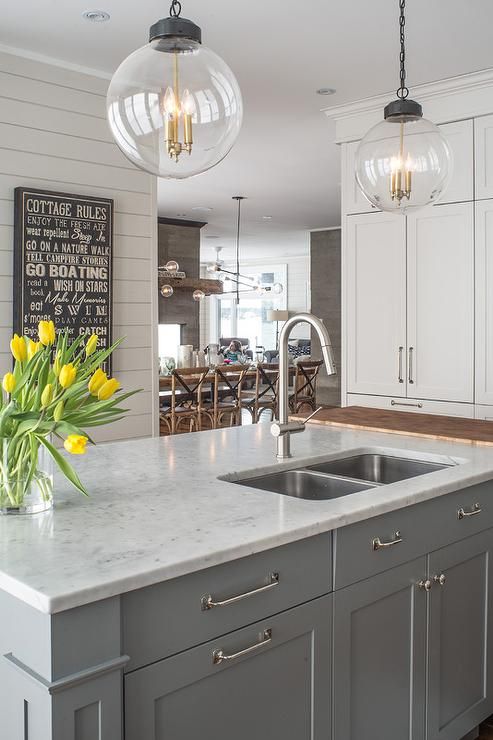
[[403, 162], [174, 106]]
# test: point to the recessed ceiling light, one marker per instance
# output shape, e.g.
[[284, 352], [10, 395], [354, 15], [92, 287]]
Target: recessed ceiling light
[[181, 215], [267, 218], [203, 209], [326, 91], [96, 16], [212, 237]]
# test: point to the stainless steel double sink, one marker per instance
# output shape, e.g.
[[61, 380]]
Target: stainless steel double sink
[[341, 477]]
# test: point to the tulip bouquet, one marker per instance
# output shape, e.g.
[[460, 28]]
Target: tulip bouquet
[[57, 389]]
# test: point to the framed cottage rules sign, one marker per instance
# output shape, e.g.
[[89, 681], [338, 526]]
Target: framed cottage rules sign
[[63, 263]]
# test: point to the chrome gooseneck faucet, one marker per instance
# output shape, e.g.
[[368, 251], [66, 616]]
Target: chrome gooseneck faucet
[[282, 429]]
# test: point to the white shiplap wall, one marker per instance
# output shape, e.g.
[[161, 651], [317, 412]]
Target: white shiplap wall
[[54, 135]]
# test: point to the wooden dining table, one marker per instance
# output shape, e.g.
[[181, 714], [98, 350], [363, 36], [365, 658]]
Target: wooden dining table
[[165, 381]]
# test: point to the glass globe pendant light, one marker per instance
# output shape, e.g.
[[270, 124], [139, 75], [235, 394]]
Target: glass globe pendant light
[[174, 106], [404, 162]]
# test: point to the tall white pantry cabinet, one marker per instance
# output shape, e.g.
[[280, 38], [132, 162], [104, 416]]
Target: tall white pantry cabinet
[[418, 289]]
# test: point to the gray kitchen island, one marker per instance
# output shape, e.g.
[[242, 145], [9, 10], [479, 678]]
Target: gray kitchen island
[[175, 604]]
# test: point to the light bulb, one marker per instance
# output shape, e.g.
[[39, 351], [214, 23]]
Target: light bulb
[[170, 104], [166, 291], [187, 103], [277, 288], [172, 266], [198, 295]]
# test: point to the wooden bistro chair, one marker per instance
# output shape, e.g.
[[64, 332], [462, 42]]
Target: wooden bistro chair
[[188, 401], [228, 386], [264, 396], [305, 386]]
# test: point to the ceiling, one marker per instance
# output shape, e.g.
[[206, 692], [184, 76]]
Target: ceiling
[[281, 51]]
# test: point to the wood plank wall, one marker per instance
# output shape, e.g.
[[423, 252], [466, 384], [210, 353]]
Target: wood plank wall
[[54, 135]]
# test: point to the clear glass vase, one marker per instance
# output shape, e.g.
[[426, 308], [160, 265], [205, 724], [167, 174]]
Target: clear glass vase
[[25, 489]]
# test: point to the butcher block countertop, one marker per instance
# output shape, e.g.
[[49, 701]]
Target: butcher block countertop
[[414, 424]]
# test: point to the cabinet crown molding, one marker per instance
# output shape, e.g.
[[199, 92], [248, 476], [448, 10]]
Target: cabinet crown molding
[[451, 99]]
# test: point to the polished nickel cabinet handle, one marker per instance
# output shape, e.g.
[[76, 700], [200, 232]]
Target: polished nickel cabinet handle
[[440, 579], [208, 602], [402, 403], [425, 584], [462, 513], [400, 378], [377, 543], [219, 656], [410, 378]]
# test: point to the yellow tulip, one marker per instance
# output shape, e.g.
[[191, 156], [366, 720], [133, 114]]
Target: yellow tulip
[[91, 344], [46, 331], [75, 444], [18, 348], [108, 389], [33, 348], [47, 395], [96, 382], [58, 412], [8, 382], [57, 365], [67, 375]]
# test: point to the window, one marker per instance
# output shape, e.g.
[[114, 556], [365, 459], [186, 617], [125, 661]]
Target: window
[[250, 320], [169, 338]]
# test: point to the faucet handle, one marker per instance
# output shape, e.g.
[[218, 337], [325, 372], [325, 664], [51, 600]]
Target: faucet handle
[[312, 414], [291, 427]]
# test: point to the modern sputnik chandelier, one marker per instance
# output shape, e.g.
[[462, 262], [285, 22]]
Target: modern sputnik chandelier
[[403, 162], [174, 106]]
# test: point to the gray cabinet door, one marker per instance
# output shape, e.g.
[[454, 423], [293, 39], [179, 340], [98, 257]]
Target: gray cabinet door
[[380, 656], [460, 658], [279, 690]]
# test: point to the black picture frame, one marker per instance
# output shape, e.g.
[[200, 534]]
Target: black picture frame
[[63, 263]]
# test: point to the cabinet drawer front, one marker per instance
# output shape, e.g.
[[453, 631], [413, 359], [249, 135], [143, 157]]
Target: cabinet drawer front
[[161, 620], [416, 405], [279, 689], [421, 529]]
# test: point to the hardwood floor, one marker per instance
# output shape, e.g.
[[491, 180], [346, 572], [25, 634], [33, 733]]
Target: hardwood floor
[[486, 732]]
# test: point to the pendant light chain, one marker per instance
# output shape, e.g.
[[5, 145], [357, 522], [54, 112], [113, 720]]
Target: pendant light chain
[[403, 91], [175, 9]]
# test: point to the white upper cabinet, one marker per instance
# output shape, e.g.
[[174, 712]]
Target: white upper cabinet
[[483, 156], [484, 301], [460, 138], [376, 304], [354, 200], [440, 319]]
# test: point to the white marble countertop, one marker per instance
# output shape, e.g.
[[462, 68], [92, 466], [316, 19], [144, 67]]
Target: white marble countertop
[[157, 509]]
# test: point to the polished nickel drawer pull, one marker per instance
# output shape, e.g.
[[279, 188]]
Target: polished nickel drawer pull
[[377, 543], [440, 579], [208, 602], [400, 378], [218, 656], [402, 403], [462, 513]]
